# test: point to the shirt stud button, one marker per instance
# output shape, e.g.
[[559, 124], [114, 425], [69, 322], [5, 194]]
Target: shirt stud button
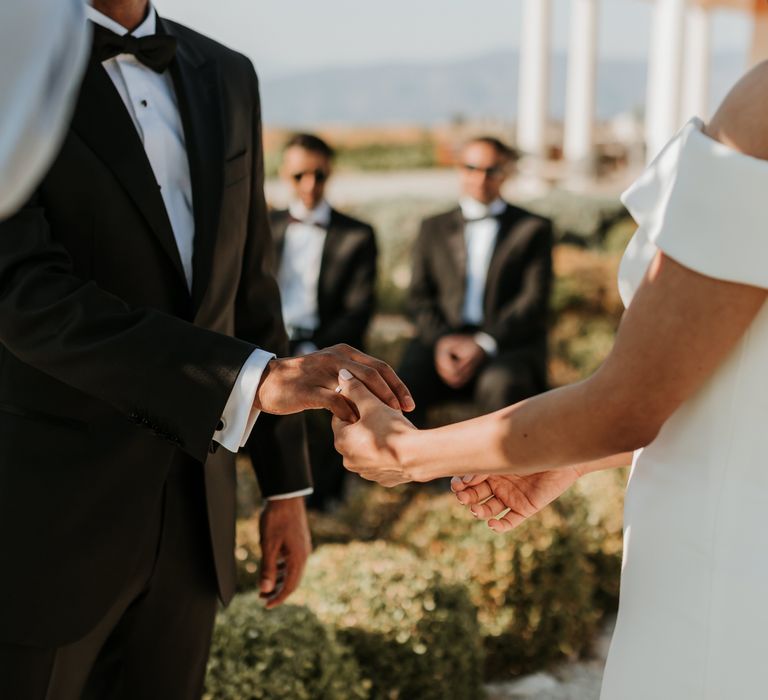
[[144, 103]]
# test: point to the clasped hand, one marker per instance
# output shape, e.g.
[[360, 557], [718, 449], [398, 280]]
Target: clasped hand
[[383, 446], [296, 384]]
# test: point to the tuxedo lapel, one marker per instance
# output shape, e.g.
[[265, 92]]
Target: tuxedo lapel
[[196, 83], [333, 238], [102, 121], [507, 222], [456, 246], [278, 226]]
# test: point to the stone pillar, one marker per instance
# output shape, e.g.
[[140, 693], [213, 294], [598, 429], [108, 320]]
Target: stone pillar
[[759, 50], [697, 64], [665, 72], [533, 96], [580, 108]]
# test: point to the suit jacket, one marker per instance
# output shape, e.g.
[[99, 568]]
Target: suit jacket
[[109, 368], [346, 295], [517, 285]]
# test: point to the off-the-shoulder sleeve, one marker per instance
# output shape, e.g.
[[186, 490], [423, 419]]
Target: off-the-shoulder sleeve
[[706, 206]]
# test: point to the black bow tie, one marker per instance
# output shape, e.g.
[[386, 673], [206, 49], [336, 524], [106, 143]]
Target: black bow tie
[[156, 52]]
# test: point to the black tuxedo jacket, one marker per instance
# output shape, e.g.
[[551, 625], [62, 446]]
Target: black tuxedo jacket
[[517, 286], [347, 285], [109, 368]]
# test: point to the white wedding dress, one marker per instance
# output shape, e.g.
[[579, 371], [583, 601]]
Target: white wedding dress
[[693, 617]]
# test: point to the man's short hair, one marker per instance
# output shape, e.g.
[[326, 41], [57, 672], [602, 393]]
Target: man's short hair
[[502, 149], [312, 143]]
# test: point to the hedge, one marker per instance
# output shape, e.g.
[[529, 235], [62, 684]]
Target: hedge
[[412, 634], [604, 493], [533, 587], [281, 654]]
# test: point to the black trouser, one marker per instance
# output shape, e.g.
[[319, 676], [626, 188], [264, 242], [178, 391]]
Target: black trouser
[[328, 473], [153, 642], [509, 377], [327, 465]]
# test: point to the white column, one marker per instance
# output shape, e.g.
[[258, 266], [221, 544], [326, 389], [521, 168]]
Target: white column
[[665, 70], [697, 64], [759, 50], [533, 96], [578, 144]]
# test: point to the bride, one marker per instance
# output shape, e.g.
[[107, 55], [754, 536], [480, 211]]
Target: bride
[[685, 387]]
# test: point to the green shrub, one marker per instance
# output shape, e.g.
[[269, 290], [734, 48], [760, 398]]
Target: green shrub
[[368, 513], [604, 493], [579, 218], [533, 587], [247, 553], [414, 636], [370, 510], [286, 653]]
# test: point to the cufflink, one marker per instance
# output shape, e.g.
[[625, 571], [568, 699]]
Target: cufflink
[[220, 425]]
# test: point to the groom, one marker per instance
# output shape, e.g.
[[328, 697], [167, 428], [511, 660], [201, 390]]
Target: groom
[[134, 295]]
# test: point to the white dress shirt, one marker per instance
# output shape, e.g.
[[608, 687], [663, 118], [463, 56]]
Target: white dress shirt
[[480, 234], [44, 46], [150, 99], [299, 274]]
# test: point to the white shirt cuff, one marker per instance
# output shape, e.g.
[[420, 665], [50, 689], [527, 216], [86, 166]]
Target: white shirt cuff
[[488, 343], [239, 415], [292, 494]]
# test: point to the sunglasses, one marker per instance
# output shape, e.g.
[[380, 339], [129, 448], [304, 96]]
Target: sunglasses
[[493, 171], [320, 175]]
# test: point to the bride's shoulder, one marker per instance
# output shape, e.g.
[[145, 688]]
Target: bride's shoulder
[[741, 120]]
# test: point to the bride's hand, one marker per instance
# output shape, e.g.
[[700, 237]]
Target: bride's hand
[[488, 497], [370, 445]]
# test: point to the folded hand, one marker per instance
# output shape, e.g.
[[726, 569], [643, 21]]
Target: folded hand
[[505, 500], [295, 384]]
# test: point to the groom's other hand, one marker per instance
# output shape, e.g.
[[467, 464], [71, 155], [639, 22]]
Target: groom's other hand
[[296, 384], [285, 546]]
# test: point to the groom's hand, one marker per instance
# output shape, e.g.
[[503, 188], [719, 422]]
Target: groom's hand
[[296, 384], [285, 546]]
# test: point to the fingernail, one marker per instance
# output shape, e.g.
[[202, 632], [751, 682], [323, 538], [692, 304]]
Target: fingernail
[[466, 479], [410, 404], [345, 374]]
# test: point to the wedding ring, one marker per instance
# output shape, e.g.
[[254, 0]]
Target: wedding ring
[[338, 389]]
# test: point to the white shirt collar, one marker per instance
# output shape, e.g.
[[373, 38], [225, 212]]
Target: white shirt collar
[[472, 209], [320, 215], [147, 28]]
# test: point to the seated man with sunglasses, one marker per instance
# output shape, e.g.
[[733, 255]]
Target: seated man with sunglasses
[[479, 293], [327, 276]]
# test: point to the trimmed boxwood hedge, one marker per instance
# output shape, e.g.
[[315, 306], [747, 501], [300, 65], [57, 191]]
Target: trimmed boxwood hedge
[[533, 587], [604, 493], [281, 654], [413, 635]]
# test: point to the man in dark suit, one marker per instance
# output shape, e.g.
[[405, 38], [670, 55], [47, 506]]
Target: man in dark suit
[[326, 267], [479, 293], [135, 289]]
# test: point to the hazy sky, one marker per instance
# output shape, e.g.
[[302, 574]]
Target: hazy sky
[[288, 36]]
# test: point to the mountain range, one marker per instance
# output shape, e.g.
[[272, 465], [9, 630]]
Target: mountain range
[[484, 87]]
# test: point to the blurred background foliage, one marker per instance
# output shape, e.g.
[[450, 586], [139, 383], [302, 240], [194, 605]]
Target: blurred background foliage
[[406, 595]]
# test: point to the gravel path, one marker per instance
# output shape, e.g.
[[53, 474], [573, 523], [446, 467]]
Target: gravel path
[[571, 681]]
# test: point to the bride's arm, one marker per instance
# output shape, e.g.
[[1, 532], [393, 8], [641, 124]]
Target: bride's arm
[[679, 328]]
